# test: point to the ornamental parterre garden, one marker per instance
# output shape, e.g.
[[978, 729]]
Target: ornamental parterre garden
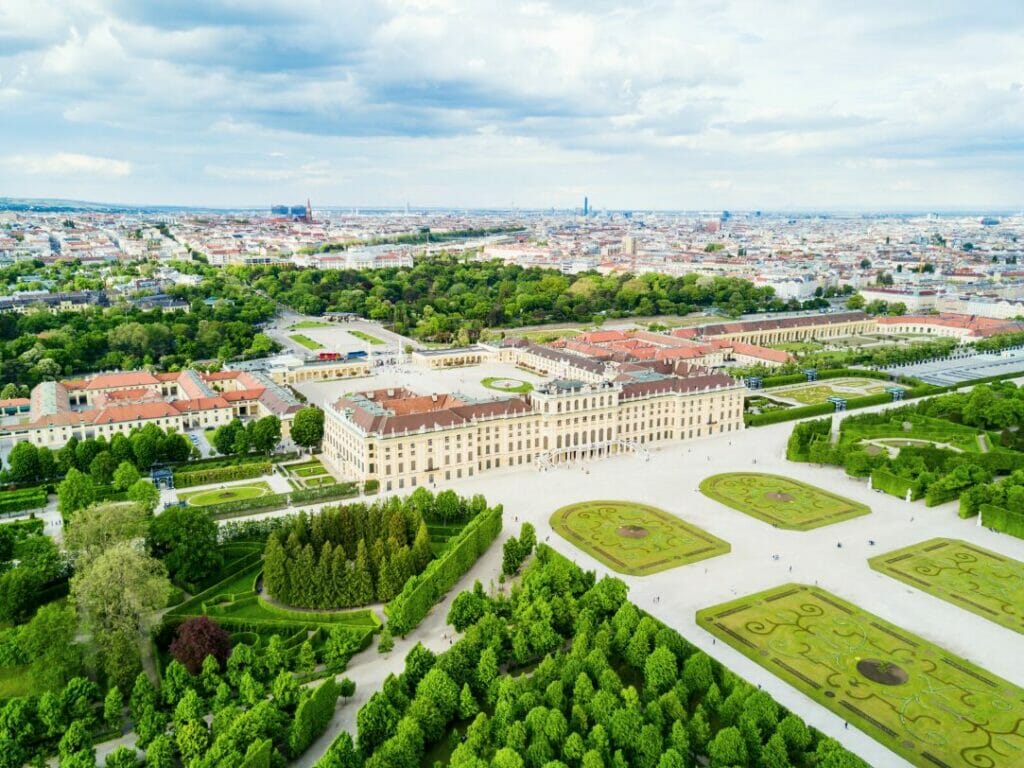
[[922, 702], [634, 539], [565, 671], [781, 501], [968, 576]]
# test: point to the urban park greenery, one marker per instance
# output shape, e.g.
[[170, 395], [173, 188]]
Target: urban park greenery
[[222, 323], [633, 538], [781, 501], [564, 671], [963, 574], [448, 299], [923, 702]]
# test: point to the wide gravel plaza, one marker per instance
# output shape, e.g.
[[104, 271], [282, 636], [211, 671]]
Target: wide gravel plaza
[[764, 557]]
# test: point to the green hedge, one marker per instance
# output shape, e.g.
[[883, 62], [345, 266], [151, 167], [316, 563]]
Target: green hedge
[[21, 529], [187, 478], [895, 485], [1002, 520], [1002, 462], [938, 495], [324, 493], [787, 414], [803, 435], [245, 506], [22, 500], [421, 592], [312, 716]]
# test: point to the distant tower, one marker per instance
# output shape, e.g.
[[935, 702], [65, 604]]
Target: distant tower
[[309, 211], [586, 206]]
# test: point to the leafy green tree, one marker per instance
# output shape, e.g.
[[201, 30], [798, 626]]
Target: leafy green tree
[[75, 492], [144, 493], [727, 748], [160, 753], [75, 741], [117, 595], [185, 539], [308, 427], [264, 434], [23, 463], [102, 467], [386, 643], [48, 642], [122, 757], [467, 704], [113, 707], [125, 475], [193, 739], [98, 527]]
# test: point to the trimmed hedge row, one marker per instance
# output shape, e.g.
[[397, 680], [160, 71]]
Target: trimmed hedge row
[[895, 485], [421, 592], [206, 476], [312, 716], [1002, 520], [325, 493], [245, 506], [22, 500], [938, 495]]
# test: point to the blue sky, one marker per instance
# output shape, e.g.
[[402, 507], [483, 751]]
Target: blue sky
[[695, 104]]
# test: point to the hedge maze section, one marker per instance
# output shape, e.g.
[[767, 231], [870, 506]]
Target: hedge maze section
[[930, 706], [634, 539], [975, 579], [781, 501]]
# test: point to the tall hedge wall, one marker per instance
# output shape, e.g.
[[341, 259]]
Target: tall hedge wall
[[421, 592], [895, 485], [1003, 520], [186, 478]]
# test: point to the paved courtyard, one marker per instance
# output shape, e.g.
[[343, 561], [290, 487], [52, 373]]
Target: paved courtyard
[[427, 381], [670, 480]]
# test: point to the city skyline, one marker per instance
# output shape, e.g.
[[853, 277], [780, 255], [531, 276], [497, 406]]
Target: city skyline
[[676, 106]]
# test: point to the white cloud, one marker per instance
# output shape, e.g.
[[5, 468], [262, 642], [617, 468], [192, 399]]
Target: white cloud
[[68, 164]]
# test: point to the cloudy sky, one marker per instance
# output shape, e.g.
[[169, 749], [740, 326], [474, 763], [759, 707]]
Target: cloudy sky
[[774, 104]]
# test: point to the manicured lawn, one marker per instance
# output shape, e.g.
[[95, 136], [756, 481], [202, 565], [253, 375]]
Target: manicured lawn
[[928, 705], [367, 337], [819, 392], [967, 576], [305, 341], [311, 470], [222, 495], [310, 324], [504, 384], [632, 538], [781, 501], [316, 482], [798, 347], [15, 681]]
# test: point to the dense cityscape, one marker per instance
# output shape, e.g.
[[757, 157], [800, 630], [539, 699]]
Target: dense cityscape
[[412, 385]]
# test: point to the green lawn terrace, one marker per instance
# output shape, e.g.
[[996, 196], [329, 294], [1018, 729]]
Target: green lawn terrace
[[634, 539], [304, 340], [223, 495], [815, 392], [310, 473], [965, 575], [781, 501], [930, 706]]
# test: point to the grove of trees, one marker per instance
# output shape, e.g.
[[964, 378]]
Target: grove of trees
[[608, 686], [447, 299], [351, 555]]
